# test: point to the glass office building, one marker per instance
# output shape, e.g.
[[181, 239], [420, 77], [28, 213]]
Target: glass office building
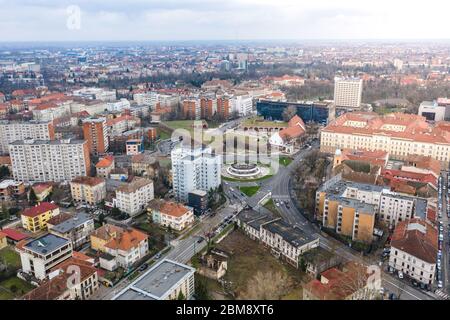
[[309, 111]]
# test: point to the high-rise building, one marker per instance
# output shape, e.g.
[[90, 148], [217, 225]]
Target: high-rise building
[[192, 109], [347, 92], [95, 132], [11, 131], [194, 169], [44, 160]]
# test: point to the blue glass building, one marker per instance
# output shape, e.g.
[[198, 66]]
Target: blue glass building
[[309, 111]]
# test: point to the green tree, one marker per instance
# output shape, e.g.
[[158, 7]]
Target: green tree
[[32, 198], [181, 296]]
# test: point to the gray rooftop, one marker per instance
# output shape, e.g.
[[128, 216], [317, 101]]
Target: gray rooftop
[[46, 244], [51, 142], [294, 236], [77, 220], [157, 281]]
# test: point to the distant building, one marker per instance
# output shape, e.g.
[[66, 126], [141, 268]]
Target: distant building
[[163, 281], [39, 256], [10, 189], [348, 93], [432, 111], [3, 240]]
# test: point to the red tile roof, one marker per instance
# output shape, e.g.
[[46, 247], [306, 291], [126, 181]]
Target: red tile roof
[[423, 245], [39, 209], [14, 234]]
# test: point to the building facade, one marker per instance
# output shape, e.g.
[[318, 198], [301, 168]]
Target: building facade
[[348, 92], [88, 190], [43, 160]]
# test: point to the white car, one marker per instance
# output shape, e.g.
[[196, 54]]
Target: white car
[[440, 284], [400, 275]]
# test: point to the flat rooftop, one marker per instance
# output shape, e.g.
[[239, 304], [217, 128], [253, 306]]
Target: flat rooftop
[[294, 236], [46, 244], [156, 282], [77, 220]]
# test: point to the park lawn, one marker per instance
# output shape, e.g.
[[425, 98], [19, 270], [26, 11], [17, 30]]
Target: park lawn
[[284, 161], [164, 135], [11, 257], [248, 257], [249, 191], [188, 125], [247, 180], [15, 287]]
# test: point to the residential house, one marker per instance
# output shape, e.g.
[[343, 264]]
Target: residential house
[[35, 218], [171, 214]]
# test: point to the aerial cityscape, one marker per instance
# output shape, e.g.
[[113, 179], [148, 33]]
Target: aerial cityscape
[[174, 165]]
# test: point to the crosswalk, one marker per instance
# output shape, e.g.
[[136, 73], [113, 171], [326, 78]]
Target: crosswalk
[[442, 295]]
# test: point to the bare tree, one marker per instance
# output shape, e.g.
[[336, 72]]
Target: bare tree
[[289, 113], [267, 286]]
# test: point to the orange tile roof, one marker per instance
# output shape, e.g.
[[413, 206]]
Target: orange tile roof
[[341, 284], [39, 209], [415, 127], [105, 162], [126, 240], [169, 208], [90, 181], [421, 245]]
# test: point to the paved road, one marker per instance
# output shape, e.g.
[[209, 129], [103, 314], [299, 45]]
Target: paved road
[[279, 186]]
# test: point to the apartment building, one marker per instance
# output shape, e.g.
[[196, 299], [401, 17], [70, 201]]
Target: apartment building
[[44, 160], [120, 247], [133, 197], [134, 147], [171, 214], [95, 132], [400, 135], [163, 281], [39, 256], [389, 207], [146, 99], [35, 219], [104, 167], [56, 287], [11, 131], [194, 169], [10, 189], [121, 124], [77, 228], [284, 241], [88, 190], [414, 248], [191, 109], [348, 92]]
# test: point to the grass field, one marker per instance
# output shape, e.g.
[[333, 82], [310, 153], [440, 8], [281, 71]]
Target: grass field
[[284, 161], [188, 125], [248, 257], [249, 191], [11, 257], [14, 288]]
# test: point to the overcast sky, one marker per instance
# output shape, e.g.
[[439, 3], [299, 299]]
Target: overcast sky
[[116, 20]]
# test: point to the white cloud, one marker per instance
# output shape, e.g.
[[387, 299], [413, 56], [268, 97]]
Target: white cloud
[[24, 20]]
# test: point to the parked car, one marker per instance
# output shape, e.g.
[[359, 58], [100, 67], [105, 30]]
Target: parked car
[[143, 267], [400, 275], [440, 284]]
